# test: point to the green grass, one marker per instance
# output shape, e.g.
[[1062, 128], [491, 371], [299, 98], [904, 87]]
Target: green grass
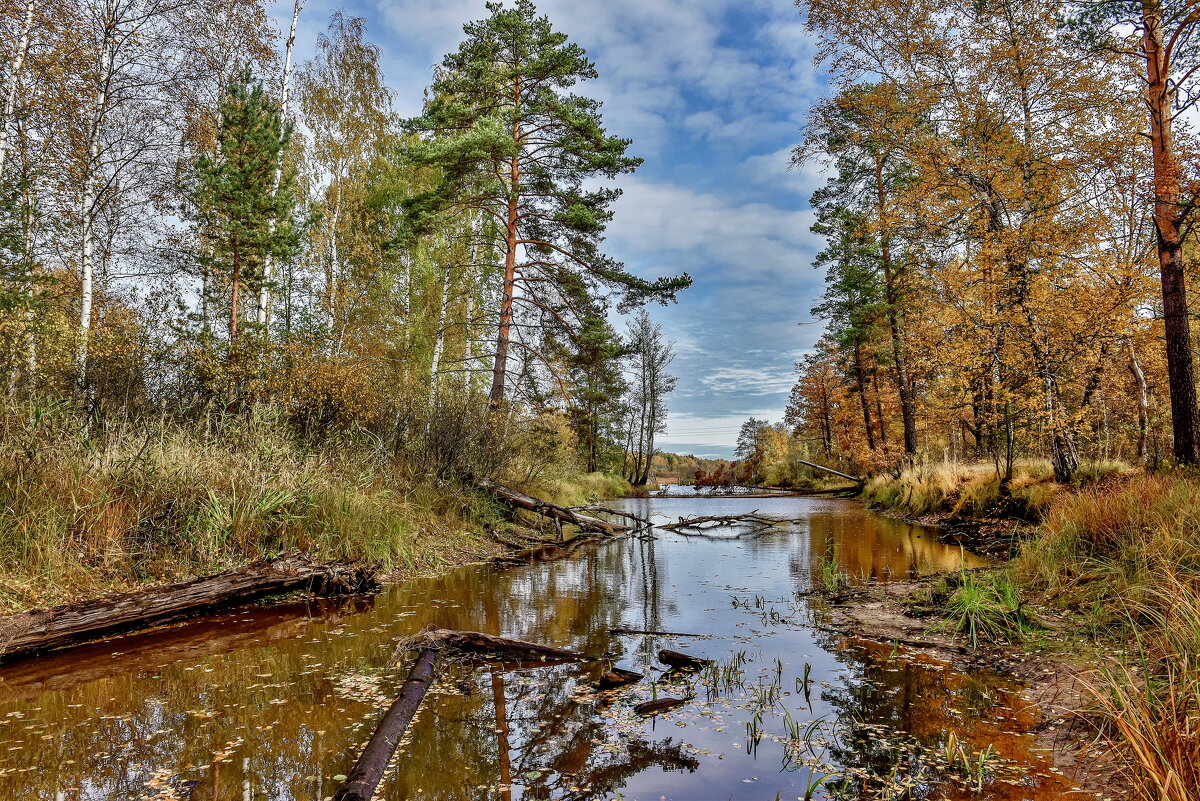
[[985, 607]]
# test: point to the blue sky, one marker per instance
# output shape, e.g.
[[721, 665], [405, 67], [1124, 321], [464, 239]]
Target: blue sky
[[713, 93]]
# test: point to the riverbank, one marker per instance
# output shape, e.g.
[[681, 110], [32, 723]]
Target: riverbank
[[1099, 606], [87, 510]]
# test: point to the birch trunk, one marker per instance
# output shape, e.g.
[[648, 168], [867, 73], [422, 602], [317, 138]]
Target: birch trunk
[[264, 290], [10, 83]]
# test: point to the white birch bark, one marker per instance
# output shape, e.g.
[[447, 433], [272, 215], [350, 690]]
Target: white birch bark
[[264, 290], [10, 83], [87, 205]]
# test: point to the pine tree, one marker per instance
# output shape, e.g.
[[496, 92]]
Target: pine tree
[[510, 141], [243, 217]]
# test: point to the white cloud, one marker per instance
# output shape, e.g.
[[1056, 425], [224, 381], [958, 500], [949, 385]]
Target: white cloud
[[704, 232]]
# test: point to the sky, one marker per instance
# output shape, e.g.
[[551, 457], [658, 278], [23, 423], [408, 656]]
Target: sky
[[713, 94]]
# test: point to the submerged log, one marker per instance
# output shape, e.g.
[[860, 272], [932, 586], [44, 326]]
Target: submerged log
[[617, 677], [364, 777], [71, 624], [681, 661], [654, 707], [489, 646], [654, 633], [553, 511]]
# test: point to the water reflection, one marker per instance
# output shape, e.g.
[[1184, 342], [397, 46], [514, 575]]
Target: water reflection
[[274, 702]]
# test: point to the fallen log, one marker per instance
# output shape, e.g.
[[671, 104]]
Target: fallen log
[[641, 521], [72, 624], [681, 661], [655, 633], [553, 511], [364, 777], [704, 525], [489, 646], [816, 466], [654, 707], [617, 677]]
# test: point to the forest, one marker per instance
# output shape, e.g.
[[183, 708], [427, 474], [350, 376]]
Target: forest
[[250, 315], [242, 298]]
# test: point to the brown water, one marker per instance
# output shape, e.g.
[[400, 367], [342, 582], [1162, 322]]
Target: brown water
[[273, 702]]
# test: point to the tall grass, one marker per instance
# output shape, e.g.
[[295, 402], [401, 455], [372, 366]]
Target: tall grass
[[1150, 701], [87, 508], [1126, 557], [985, 607], [975, 490]]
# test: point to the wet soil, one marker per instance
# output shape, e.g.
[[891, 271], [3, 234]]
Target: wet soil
[[1052, 679]]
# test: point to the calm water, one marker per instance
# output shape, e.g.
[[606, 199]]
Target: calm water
[[273, 702]]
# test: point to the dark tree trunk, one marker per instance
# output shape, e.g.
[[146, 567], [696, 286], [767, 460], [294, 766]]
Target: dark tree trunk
[[1169, 214], [365, 776], [860, 379]]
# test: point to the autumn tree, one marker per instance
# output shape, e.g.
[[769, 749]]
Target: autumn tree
[[510, 142], [1161, 34]]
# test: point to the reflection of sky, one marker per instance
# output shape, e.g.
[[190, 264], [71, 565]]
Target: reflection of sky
[[273, 702], [713, 95]]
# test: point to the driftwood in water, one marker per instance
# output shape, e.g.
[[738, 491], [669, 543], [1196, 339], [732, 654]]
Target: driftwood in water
[[639, 520], [364, 777], [655, 633], [681, 661], [489, 646], [617, 677], [654, 707], [704, 525], [71, 624], [553, 511]]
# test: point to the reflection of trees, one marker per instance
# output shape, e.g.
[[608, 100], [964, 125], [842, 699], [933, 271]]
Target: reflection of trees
[[925, 701], [267, 680]]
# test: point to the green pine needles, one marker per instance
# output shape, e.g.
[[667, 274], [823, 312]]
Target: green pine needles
[[511, 142], [244, 194]]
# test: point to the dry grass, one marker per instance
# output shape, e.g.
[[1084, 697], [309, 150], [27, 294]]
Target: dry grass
[[957, 489], [86, 510], [1126, 557], [1149, 702]]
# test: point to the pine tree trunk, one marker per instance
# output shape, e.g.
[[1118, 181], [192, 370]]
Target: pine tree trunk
[[1168, 219], [500, 366], [860, 379], [892, 298]]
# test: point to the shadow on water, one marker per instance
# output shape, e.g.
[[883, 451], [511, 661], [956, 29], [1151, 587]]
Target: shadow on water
[[273, 702]]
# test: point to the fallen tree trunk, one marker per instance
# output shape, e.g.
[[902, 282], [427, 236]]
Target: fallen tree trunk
[[816, 466], [553, 511], [640, 521], [703, 526], [364, 777], [681, 661], [71, 624], [489, 646]]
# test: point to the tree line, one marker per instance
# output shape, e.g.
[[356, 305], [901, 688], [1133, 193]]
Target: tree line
[[195, 223], [1007, 222]]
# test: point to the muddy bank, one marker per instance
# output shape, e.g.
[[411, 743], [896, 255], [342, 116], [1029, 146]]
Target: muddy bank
[[891, 614]]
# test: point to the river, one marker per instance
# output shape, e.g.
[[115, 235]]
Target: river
[[273, 701]]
